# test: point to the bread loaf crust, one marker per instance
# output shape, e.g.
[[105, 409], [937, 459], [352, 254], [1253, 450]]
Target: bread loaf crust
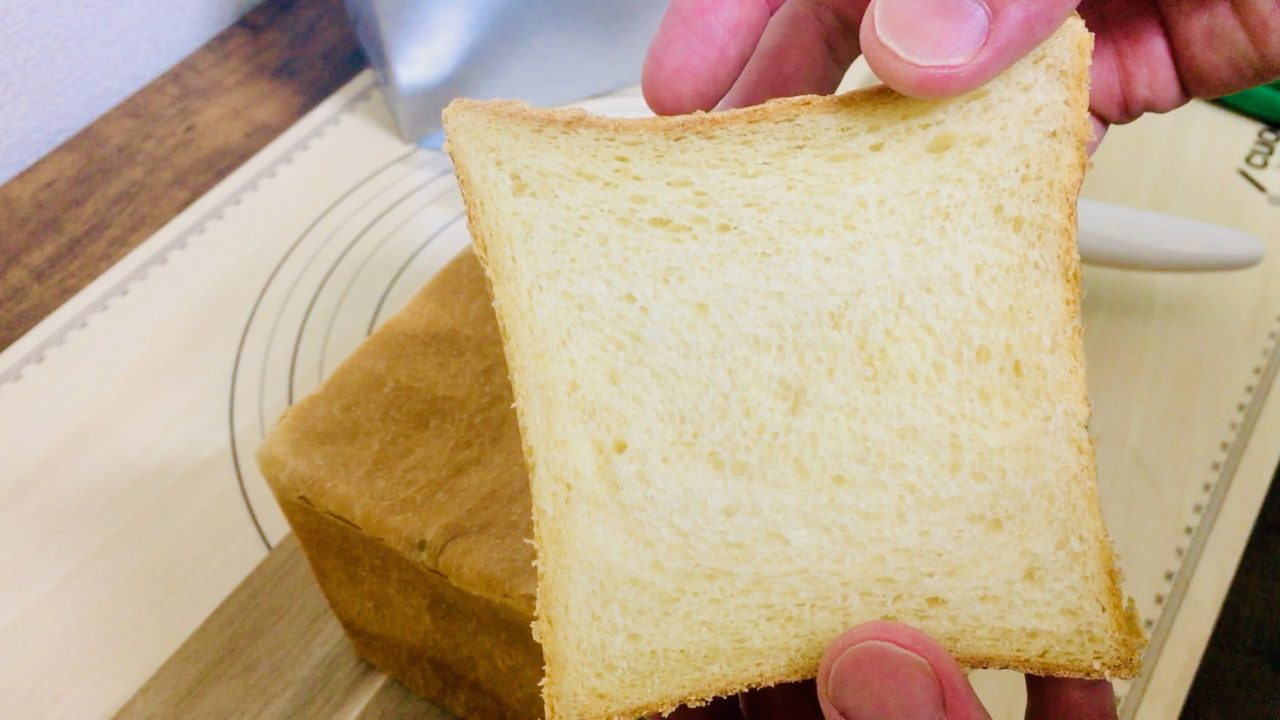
[[402, 479]]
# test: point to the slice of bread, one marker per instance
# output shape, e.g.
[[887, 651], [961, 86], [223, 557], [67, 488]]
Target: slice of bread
[[786, 369]]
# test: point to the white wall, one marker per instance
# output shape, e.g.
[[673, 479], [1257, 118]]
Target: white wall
[[63, 63]]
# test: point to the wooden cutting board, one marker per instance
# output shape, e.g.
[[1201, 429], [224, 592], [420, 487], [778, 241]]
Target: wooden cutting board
[[164, 374], [273, 650]]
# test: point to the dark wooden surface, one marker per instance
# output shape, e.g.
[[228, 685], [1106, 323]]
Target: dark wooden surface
[[75, 213], [1240, 675], [83, 207]]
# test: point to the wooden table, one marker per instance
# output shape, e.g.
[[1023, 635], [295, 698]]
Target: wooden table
[[78, 211]]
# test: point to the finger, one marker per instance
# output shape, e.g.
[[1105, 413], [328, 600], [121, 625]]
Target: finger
[[941, 48], [699, 50], [725, 708], [1050, 698], [793, 701], [1223, 47], [1133, 69], [1099, 131], [1153, 55], [806, 48], [892, 671]]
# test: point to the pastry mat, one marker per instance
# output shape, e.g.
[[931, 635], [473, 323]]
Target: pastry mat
[[130, 505]]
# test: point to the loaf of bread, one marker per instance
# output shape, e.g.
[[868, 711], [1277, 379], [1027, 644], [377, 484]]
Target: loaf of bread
[[402, 478], [786, 369]]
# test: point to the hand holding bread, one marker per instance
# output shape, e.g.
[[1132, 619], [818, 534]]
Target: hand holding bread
[[890, 671], [1148, 57]]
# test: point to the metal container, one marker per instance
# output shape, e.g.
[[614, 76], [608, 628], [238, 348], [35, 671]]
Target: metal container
[[427, 52]]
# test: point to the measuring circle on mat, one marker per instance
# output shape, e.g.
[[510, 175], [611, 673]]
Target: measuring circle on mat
[[358, 262]]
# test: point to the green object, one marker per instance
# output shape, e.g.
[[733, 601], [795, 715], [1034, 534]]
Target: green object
[[1262, 103]]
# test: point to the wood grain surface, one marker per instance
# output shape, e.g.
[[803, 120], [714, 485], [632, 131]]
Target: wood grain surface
[[83, 207], [273, 650], [75, 213]]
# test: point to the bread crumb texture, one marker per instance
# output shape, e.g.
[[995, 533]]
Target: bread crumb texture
[[786, 369]]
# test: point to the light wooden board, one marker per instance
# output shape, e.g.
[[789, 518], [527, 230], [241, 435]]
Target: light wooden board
[[238, 662], [130, 506], [273, 650]]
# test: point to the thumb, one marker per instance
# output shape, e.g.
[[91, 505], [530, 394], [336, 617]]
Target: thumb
[[890, 671], [1049, 698], [940, 48]]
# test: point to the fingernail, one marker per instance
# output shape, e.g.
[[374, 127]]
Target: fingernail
[[877, 680], [933, 33]]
